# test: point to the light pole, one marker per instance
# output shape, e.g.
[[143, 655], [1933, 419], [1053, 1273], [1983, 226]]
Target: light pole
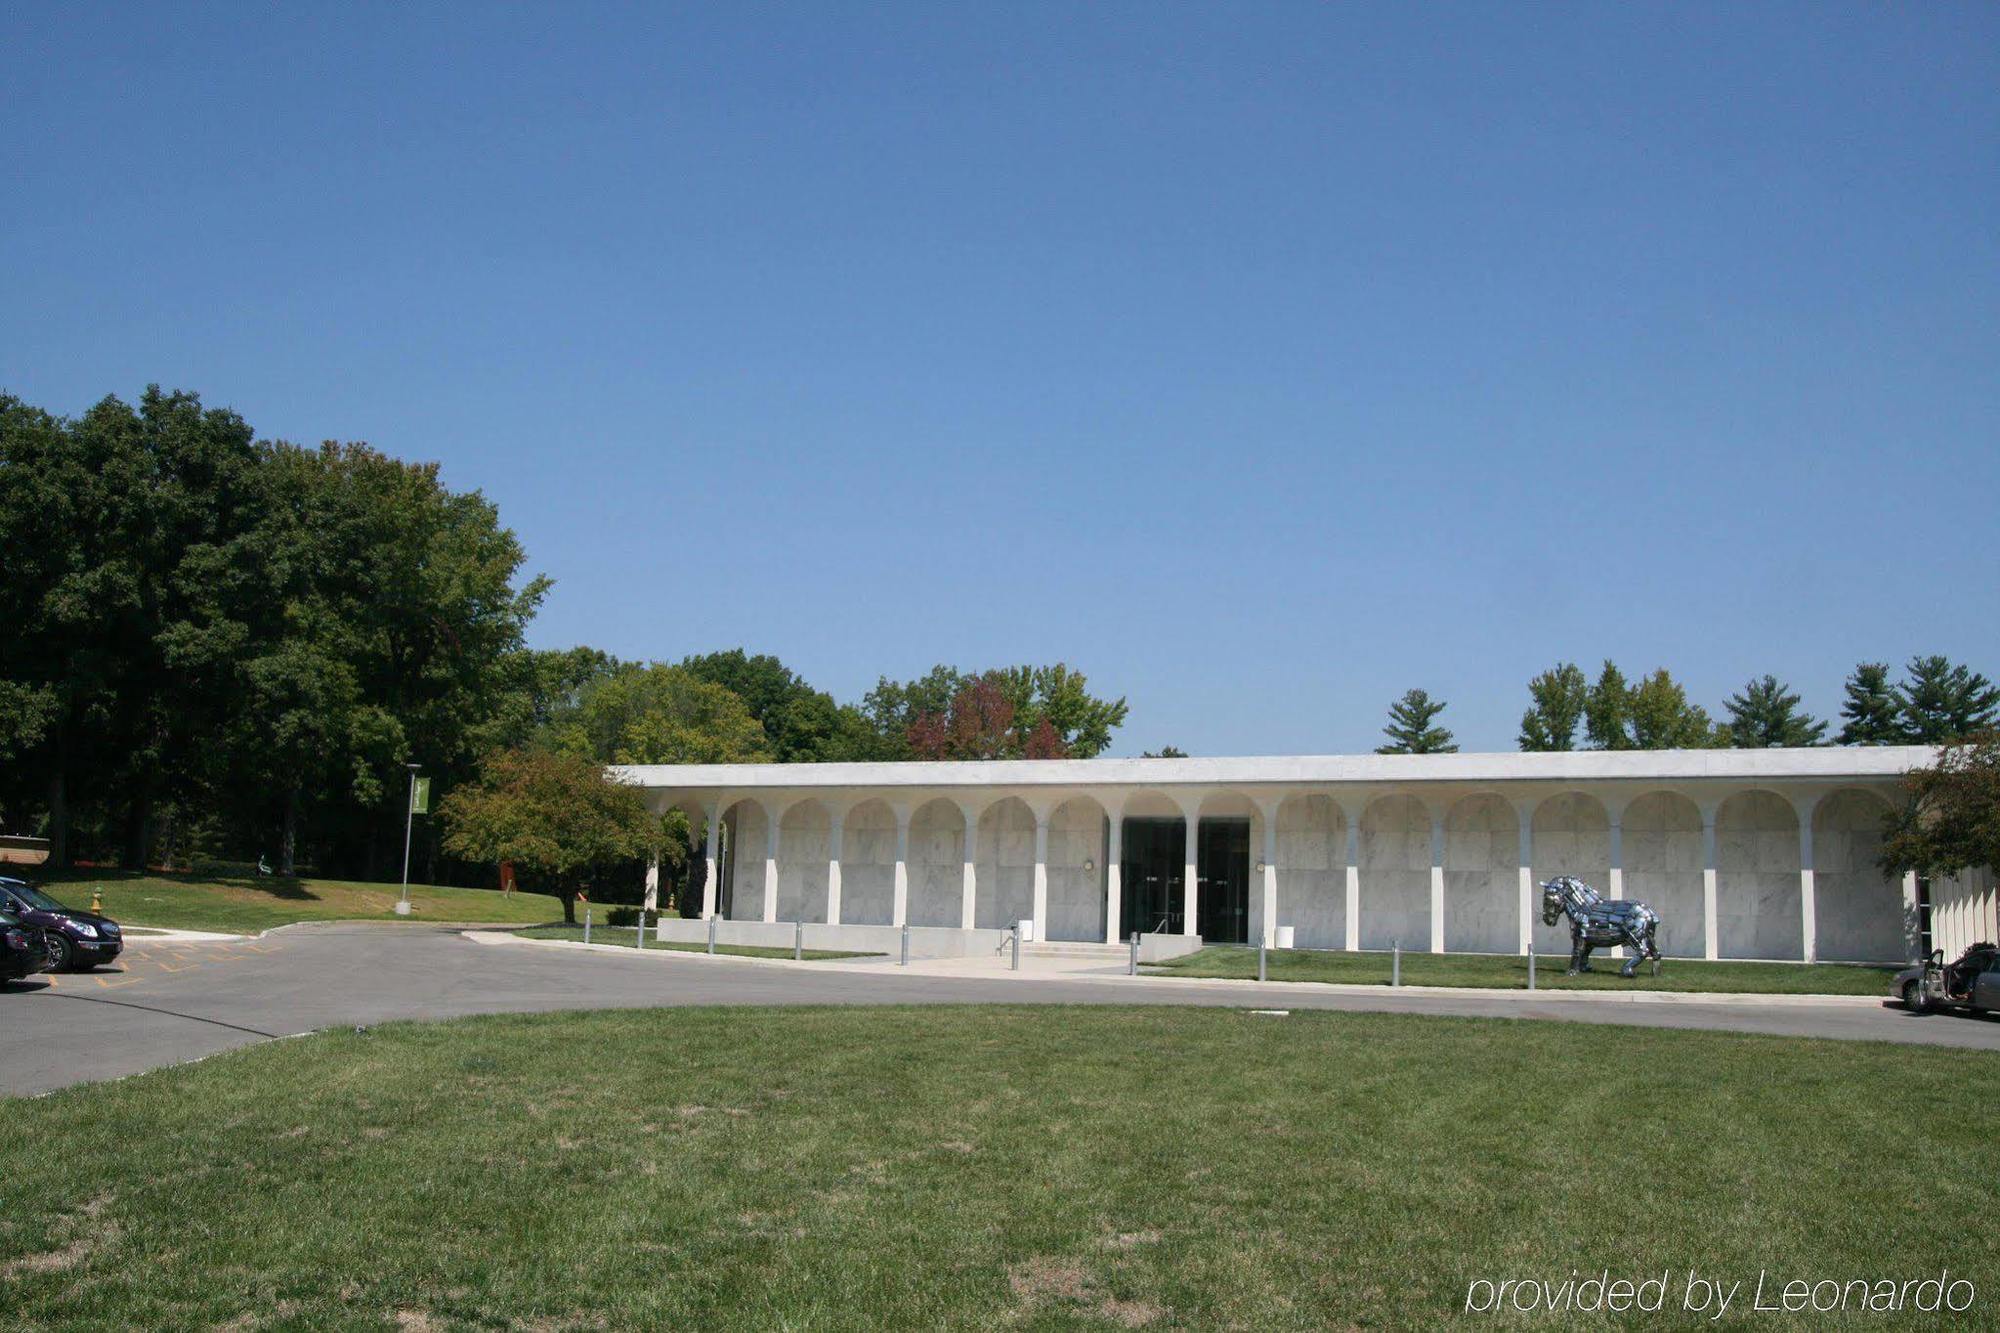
[[409, 821]]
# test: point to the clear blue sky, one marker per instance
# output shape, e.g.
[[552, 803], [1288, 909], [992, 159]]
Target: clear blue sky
[[1262, 361]]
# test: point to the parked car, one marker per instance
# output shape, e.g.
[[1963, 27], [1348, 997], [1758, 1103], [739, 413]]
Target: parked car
[[76, 939], [22, 950], [1973, 982]]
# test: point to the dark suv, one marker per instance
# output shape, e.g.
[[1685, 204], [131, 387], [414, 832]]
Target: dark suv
[[76, 940], [21, 950]]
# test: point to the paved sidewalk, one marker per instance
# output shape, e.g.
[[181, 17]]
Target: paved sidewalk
[[177, 1002], [1036, 968]]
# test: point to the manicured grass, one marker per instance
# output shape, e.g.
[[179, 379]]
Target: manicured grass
[[626, 936], [1428, 969], [980, 1167], [249, 904]]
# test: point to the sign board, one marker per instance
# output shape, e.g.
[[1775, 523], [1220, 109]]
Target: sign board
[[420, 796]]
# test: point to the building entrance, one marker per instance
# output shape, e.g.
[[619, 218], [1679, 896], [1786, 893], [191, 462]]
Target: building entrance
[[1154, 870]]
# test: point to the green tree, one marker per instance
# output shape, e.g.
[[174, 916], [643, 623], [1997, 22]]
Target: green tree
[[1607, 711], [1653, 715], [1766, 714], [1559, 697], [1165, 752], [1872, 713], [1943, 702], [804, 725], [1951, 821], [1663, 719], [657, 714], [558, 816], [1410, 729]]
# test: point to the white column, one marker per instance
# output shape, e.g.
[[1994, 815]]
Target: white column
[[770, 866], [1041, 908], [1353, 818], [1808, 909], [1616, 888], [1271, 875], [1114, 879], [711, 884], [1437, 882], [1912, 940], [653, 883], [968, 898], [1708, 893], [1190, 885], [899, 912], [1526, 814], [833, 831]]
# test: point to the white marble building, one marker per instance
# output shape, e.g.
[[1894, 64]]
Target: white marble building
[[1745, 853]]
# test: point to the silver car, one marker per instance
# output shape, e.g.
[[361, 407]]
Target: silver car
[[1971, 983]]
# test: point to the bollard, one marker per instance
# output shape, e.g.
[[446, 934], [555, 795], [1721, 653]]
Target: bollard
[[906, 944], [1017, 946], [639, 939], [1260, 960], [1132, 969], [711, 932], [1531, 967], [586, 925], [798, 941], [1395, 962]]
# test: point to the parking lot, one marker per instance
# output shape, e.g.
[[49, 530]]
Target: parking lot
[[166, 1002]]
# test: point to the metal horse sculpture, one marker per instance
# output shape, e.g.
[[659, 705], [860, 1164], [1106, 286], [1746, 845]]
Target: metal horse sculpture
[[1595, 922]]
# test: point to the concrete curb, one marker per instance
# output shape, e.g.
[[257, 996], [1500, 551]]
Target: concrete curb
[[1261, 988]]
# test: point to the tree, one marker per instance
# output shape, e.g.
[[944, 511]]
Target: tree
[[1872, 711], [1653, 715], [559, 816], [1951, 821], [1559, 697], [1410, 730], [1766, 714], [657, 714], [1165, 752], [803, 725], [940, 713], [1607, 711], [1943, 702]]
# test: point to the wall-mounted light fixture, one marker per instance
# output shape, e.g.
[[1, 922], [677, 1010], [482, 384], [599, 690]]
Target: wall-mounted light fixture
[[1089, 864], [1260, 865]]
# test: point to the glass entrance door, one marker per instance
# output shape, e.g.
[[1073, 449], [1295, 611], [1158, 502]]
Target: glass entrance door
[[1224, 878], [1150, 876]]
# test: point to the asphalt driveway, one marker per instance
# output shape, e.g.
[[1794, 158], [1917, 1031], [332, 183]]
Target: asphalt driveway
[[166, 1003]]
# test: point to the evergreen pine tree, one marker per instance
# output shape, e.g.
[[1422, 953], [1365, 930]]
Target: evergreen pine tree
[[1559, 696], [1766, 714], [1943, 702], [1410, 730], [1872, 712]]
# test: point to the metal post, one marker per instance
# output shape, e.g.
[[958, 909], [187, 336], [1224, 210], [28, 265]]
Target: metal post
[[711, 934], [1017, 946], [586, 925], [1260, 960], [1395, 962], [1132, 969], [1531, 969], [906, 944], [409, 822], [798, 941]]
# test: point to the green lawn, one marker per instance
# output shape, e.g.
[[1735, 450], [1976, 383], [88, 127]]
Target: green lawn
[[248, 904], [627, 936], [1428, 969], [981, 1167]]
